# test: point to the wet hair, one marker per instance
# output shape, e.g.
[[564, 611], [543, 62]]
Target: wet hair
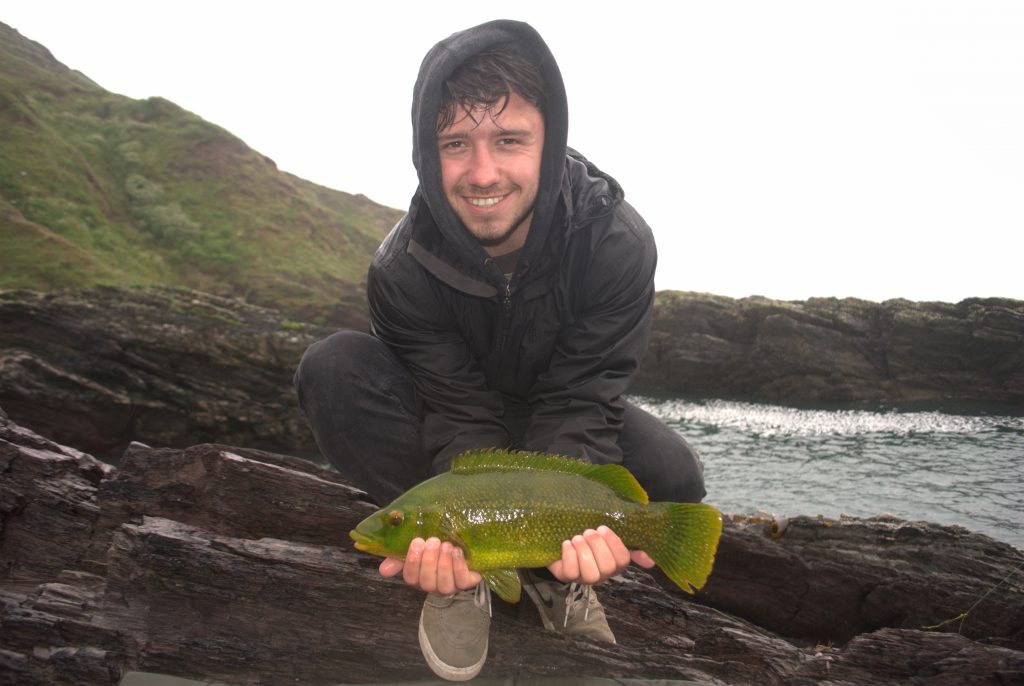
[[487, 80]]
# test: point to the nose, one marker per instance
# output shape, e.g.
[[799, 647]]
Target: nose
[[483, 170]]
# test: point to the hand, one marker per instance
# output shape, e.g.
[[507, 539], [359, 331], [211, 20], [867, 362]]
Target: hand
[[432, 566], [595, 556]]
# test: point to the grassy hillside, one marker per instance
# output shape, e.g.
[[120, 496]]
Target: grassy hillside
[[97, 188]]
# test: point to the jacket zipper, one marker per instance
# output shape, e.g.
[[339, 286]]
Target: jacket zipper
[[507, 316]]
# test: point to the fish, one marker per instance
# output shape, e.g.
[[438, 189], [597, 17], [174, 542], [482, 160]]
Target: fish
[[512, 509]]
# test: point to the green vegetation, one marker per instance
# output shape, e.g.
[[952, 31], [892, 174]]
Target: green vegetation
[[100, 189]]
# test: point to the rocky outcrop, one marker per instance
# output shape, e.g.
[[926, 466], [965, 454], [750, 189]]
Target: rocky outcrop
[[101, 368], [827, 350], [227, 563]]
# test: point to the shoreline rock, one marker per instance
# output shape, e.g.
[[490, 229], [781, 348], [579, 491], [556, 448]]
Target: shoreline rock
[[102, 368], [222, 562], [99, 369], [838, 351]]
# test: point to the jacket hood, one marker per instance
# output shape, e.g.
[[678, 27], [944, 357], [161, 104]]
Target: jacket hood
[[437, 67]]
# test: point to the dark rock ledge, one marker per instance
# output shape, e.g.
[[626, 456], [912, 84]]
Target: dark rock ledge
[[841, 351], [227, 563], [99, 369]]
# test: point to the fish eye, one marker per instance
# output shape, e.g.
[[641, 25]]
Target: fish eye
[[395, 517]]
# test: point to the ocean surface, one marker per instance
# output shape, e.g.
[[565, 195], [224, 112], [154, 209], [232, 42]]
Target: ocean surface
[[945, 468]]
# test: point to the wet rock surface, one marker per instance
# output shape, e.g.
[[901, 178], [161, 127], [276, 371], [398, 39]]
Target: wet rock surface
[[229, 563]]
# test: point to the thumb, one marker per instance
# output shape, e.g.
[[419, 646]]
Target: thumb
[[390, 566], [641, 558]]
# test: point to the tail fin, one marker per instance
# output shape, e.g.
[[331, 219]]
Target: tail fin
[[686, 551]]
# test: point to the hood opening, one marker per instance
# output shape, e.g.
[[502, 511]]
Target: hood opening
[[438, 65]]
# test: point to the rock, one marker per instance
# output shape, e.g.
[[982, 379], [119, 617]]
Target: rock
[[47, 501], [831, 580], [900, 656], [102, 368], [228, 563], [827, 350]]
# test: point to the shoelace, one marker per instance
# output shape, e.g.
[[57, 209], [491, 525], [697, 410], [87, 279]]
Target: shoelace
[[482, 596], [577, 593]]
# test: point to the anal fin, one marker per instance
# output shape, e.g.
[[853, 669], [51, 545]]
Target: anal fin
[[504, 582]]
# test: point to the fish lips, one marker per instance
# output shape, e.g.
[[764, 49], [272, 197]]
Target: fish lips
[[367, 544]]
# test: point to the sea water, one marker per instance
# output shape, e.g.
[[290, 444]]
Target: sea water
[[935, 466]]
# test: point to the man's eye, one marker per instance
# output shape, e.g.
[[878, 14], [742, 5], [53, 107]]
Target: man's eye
[[452, 145], [509, 141]]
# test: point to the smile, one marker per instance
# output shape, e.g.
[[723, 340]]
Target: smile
[[485, 202]]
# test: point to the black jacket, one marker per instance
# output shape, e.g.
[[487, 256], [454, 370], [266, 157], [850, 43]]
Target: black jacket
[[564, 335]]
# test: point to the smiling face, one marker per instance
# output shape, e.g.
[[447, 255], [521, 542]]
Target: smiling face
[[490, 171]]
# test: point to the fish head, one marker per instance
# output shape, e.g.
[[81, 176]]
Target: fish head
[[387, 532]]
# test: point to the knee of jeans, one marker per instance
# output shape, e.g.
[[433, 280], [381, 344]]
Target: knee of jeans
[[693, 486], [684, 482], [334, 357], [681, 488]]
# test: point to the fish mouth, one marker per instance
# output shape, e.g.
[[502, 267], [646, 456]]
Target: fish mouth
[[365, 543]]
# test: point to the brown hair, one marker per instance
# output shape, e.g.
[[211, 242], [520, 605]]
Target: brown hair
[[486, 80]]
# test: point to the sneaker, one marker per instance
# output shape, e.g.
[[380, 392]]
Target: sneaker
[[453, 632], [569, 608]]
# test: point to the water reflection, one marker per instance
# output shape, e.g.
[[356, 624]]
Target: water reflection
[[945, 468]]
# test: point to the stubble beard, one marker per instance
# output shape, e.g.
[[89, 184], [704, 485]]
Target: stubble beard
[[491, 233]]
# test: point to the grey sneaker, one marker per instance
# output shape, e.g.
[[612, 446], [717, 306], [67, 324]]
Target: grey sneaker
[[453, 632], [570, 608]]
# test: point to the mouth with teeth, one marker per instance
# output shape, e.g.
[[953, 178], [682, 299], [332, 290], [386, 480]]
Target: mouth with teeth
[[485, 202]]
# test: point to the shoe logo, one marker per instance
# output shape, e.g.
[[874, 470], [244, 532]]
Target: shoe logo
[[548, 601]]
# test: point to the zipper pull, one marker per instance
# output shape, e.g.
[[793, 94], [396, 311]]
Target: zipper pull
[[508, 295]]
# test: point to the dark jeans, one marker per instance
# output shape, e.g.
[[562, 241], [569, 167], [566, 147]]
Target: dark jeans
[[361, 404]]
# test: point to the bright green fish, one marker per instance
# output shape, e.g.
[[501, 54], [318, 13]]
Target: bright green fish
[[514, 509]]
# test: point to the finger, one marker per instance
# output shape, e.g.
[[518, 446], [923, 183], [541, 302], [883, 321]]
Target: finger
[[604, 560], [390, 567], [428, 565], [618, 548], [566, 569], [642, 559], [465, 578], [411, 571], [589, 573], [445, 573]]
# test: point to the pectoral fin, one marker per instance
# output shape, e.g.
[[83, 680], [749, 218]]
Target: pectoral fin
[[504, 582]]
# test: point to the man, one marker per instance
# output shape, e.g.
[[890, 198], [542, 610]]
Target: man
[[510, 308]]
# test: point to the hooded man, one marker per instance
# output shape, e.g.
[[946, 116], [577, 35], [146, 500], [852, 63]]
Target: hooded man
[[510, 308]]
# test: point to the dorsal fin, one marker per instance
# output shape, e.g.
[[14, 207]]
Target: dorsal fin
[[615, 476]]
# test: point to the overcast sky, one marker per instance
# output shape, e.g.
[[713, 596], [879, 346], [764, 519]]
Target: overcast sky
[[788, 149]]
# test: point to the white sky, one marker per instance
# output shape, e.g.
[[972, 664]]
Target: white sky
[[788, 149]]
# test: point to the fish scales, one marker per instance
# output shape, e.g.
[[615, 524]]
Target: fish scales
[[515, 519], [511, 509]]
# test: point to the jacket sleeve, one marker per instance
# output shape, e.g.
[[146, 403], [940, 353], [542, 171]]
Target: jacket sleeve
[[459, 413], [577, 400]]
